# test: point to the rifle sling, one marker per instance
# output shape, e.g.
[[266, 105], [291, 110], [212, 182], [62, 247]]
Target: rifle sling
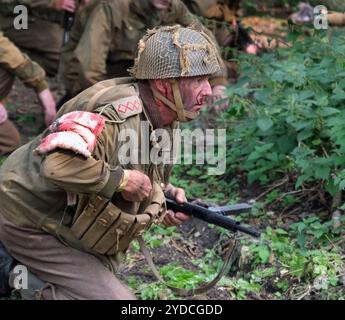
[[232, 253]]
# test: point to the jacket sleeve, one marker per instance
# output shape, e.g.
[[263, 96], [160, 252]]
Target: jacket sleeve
[[185, 18], [94, 45], [77, 174], [18, 64]]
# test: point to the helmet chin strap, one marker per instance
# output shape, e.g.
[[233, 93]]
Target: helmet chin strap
[[182, 114]]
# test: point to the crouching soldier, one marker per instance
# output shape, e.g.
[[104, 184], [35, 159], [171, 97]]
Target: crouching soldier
[[69, 206]]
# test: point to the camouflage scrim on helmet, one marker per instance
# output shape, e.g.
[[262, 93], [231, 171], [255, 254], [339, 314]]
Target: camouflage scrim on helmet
[[173, 52]]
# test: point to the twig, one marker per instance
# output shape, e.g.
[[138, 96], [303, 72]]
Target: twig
[[305, 293], [286, 179], [337, 213], [291, 205], [338, 243], [289, 193], [330, 241], [324, 151]]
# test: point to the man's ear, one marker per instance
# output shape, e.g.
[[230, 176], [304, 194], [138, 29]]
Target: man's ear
[[162, 85]]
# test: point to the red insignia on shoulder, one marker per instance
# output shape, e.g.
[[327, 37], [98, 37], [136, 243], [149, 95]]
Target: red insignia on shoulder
[[128, 106]]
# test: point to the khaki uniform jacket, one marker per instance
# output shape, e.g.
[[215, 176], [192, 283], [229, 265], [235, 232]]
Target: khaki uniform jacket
[[43, 38], [43, 7], [33, 188], [18, 64], [37, 9], [104, 39], [201, 7]]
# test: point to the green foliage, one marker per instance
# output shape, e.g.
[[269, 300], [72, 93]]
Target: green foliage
[[286, 117], [289, 254], [155, 291], [287, 114], [2, 159], [222, 190], [180, 277], [26, 118], [320, 232], [274, 265], [158, 235]]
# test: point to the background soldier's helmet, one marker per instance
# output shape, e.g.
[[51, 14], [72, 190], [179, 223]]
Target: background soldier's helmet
[[173, 52]]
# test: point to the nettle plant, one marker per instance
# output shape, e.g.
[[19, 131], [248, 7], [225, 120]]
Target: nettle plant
[[288, 113]]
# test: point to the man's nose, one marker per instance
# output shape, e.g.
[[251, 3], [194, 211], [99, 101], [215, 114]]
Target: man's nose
[[206, 88]]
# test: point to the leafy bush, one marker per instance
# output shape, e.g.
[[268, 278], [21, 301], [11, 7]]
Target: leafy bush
[[287, 113]]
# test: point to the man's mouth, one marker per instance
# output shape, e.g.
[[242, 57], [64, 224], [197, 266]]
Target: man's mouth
[[198, 107], [163, 4], [201, 100]]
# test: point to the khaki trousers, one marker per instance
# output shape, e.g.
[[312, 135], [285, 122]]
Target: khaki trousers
[[9, 138], [9, 135], [6, 83], [69, 273]]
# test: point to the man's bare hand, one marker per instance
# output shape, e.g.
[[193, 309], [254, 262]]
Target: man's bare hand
[[138, 187], [48, 105], [68, 5], [175, 218], [219, 94], [252, 49], [3, 113]]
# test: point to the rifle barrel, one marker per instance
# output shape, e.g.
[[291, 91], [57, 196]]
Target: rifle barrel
[[210, 217]]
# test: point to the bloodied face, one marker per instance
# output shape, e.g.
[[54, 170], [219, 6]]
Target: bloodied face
[[194, 92], [161, 4]]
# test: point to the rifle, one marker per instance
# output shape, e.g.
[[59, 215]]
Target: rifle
[[68, 20], [214, 215]]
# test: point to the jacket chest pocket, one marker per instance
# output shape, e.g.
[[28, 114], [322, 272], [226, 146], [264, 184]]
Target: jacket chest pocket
[[110, 229]]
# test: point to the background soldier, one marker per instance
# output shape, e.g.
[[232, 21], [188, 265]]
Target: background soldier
[[44, 36], [93, 203], [335, 16], [104, 39], [13, 63], [221, 20]]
